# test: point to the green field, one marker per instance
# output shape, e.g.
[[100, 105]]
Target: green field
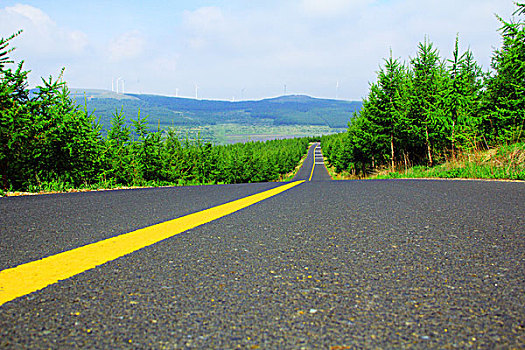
[[232, 133], [223, 122]]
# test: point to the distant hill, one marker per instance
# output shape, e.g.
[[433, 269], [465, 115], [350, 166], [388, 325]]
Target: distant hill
[[167, 111]]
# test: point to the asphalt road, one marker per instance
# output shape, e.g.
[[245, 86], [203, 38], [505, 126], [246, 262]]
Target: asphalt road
[[326, 264], [314, 159]]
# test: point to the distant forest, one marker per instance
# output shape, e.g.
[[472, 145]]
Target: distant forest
[[49, 142], [164, 111]]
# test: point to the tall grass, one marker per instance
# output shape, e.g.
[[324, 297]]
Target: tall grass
[[504, 162]]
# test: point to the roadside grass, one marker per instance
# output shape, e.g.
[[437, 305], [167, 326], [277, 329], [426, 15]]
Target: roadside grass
[[344, 175], [58, 186], [500, 163], [504, 162]]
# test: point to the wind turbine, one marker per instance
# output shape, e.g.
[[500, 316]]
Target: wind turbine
[[337, 89], [196, 92], [118, 79]]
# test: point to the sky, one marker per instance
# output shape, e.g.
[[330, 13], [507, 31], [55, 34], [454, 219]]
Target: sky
[[238, 49]]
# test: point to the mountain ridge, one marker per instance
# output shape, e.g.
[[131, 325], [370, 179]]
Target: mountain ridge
[[168, 111]]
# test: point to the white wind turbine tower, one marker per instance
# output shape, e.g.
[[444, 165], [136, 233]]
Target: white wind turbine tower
[[196, 92], [118, 80], [337, 89]]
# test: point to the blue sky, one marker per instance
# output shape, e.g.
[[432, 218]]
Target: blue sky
[[240, 49]]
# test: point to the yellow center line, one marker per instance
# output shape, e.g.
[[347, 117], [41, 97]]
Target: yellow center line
[[313, 165], [30, 277], [312, 173]]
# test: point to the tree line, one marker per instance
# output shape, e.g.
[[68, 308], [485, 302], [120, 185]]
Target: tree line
[[428, 109], [48, 141]]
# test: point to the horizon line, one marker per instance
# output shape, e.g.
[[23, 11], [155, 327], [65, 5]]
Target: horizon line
[[217, 99]]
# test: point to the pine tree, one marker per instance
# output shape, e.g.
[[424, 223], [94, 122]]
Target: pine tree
[[425, 89], [44, 136], [387, 106], [462, 100], [14, 116], [506, 89]]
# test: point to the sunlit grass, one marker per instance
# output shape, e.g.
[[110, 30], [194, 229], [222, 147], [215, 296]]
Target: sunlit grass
[[504, 162]]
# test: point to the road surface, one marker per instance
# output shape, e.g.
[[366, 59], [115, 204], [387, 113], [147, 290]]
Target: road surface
[[321, 265], [313, 168]]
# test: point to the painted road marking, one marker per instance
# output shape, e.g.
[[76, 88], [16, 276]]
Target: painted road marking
[[30, 277], [313, 165], [312, 173], [317, 154], [315, 160]]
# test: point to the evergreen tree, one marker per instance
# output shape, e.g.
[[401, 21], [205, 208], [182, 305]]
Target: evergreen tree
[[386, 109], [506, 89], [426, 86], [119, 166], [462, 100], [14, 115], [44, 136]]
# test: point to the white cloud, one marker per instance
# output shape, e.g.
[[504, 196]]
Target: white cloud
[[41, 36], [257, 46], [203, 25], [126, 46], [401, 25], [33, 14], [332, 8], [204, 19], [165, 64]]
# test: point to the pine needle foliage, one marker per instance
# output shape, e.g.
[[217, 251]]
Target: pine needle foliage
[[47, 142], [430, 110]]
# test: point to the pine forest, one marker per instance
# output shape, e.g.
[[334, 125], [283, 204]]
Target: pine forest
[[419, 112], [427, 110], [50, 143]]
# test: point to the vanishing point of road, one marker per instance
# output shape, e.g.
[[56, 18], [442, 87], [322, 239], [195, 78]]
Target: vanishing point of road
[[313, 264]]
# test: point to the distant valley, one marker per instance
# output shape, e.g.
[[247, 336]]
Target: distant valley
[[224, 121]]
